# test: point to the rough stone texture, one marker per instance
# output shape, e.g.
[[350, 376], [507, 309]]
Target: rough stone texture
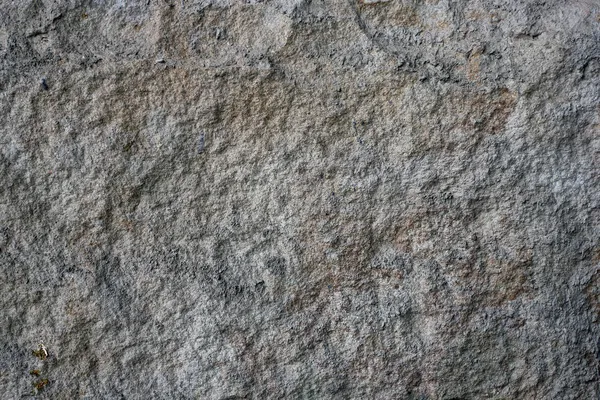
[[338, 199]]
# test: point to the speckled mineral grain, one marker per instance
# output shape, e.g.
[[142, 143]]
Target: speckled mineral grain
[[296, 199]]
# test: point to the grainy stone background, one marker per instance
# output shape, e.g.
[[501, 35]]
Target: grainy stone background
[[296, 199]]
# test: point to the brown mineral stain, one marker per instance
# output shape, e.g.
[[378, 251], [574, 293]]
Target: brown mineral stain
[[442, 24], [388, 13], [592, 289], [592, 292], [596, 255], [372, 2], [474, 66], [488, 112], [501, 106], [509, 279]]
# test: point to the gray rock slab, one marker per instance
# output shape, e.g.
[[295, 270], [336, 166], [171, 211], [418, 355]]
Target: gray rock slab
[[295, 199]]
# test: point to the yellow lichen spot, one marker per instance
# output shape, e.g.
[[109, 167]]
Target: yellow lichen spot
[[41, 352], [39, 385]]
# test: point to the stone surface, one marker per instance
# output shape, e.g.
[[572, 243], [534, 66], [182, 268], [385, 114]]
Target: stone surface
[[339, 199]]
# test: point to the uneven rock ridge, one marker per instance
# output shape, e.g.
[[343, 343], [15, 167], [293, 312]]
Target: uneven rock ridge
[[299, 199]]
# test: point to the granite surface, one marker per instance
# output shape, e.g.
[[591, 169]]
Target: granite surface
[[296, 199]]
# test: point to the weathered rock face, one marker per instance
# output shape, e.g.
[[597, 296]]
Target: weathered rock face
[[300, 199]]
